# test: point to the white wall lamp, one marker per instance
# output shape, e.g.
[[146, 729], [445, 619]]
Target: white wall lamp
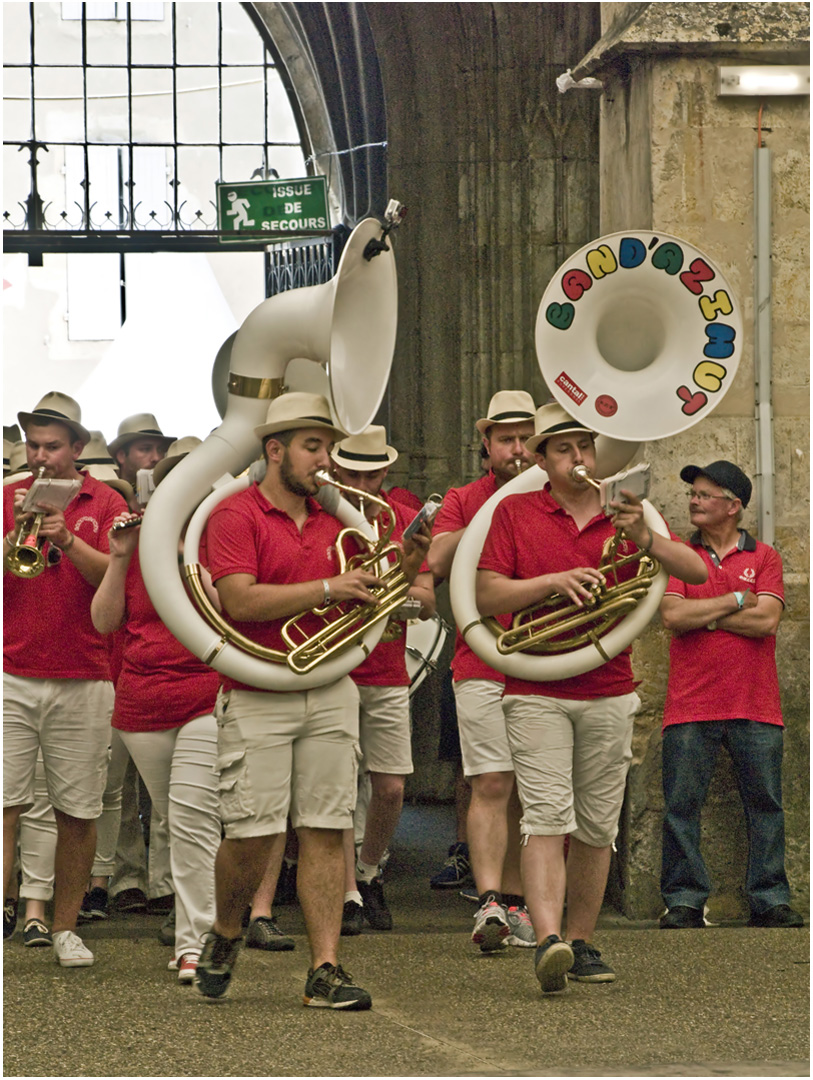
[[763, 80]]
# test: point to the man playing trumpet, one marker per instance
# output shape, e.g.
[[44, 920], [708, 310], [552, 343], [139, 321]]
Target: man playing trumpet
[[570, 738], [57, 693]]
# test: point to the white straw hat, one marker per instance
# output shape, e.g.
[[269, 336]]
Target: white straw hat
[[365, 452], [552, 420], [140, 426], [507, 407], [295, 410], [56, 407], [175, 453]]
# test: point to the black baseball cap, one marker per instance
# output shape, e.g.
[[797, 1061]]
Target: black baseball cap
[[725, 475]]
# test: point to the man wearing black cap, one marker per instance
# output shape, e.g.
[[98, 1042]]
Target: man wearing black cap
[[723, 689]]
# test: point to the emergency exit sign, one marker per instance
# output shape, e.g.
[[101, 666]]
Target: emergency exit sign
[[276, 209]]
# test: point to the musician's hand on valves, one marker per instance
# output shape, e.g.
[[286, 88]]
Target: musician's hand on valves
[[628, 516], [352, 585], [53, 527], [577, 583]]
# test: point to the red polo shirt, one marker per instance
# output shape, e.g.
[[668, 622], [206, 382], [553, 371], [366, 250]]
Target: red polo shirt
[[386, 664], [161, 684], [458, 510], [47, 629], [716, 674], [245, 534], [531, 534]]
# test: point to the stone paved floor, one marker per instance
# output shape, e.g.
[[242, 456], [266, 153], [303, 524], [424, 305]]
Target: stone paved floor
[[727, 1001]]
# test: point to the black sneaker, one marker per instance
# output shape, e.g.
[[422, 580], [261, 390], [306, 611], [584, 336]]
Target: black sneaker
[[166, 931], [9, 917], [352, 919], [587, 964], [777, 918], [94, 905], [456, 871], [129, 901], [552, 961], [331, 987], [682, 918], [36, 934], [263, 933], [375, 907], [217, 959], [161, 905]]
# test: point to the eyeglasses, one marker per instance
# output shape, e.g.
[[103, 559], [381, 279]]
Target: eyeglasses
[[704, 496]]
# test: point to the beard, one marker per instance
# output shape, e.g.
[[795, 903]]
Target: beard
[[289, 481]]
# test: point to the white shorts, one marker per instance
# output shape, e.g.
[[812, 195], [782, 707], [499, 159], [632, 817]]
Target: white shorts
[[481, 723], [384, 729], [571, 760], [287, 753], [69, 719]]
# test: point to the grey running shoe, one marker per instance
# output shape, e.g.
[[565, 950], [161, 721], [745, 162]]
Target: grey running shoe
[[522, 930], [166, 932], [553, 960], [331, 987], [263, 933], [587, 964], [490, 927], [215, 965]]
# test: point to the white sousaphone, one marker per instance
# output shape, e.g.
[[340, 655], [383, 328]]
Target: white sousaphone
[[639, 337], [348, 326]]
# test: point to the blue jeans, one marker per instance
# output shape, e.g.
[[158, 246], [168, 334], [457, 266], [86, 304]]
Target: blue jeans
[[689, 754]]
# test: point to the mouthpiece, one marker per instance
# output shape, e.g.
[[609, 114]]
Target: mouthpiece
[[581, 474], [322, 477], [518, 465]]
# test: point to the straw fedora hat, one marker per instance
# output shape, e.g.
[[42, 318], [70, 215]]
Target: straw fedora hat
[[507, 407], [175, 453], [552, 420], [297, 409], [105, 472], [365, 452], [17, 464], [140, 426], [95, 452], [56, 407]]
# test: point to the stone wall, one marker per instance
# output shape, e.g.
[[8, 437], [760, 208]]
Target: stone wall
[[678, 159]]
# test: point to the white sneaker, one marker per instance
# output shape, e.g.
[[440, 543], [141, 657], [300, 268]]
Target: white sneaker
[[522, 930], [490, 927], [70, 950]]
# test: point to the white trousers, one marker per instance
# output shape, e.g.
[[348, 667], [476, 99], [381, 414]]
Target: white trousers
[[38, 842], [120, 851], [178, 768]]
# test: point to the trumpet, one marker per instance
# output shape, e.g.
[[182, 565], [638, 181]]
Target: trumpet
[[557, 624], [26, 558]]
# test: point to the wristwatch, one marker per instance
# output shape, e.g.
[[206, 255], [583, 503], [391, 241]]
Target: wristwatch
[[712, 625]]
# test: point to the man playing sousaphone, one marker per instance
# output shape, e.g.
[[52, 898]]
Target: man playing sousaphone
[[571, 738], [272, 555]]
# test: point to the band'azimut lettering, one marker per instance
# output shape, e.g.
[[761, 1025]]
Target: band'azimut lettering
[[250, 387]]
